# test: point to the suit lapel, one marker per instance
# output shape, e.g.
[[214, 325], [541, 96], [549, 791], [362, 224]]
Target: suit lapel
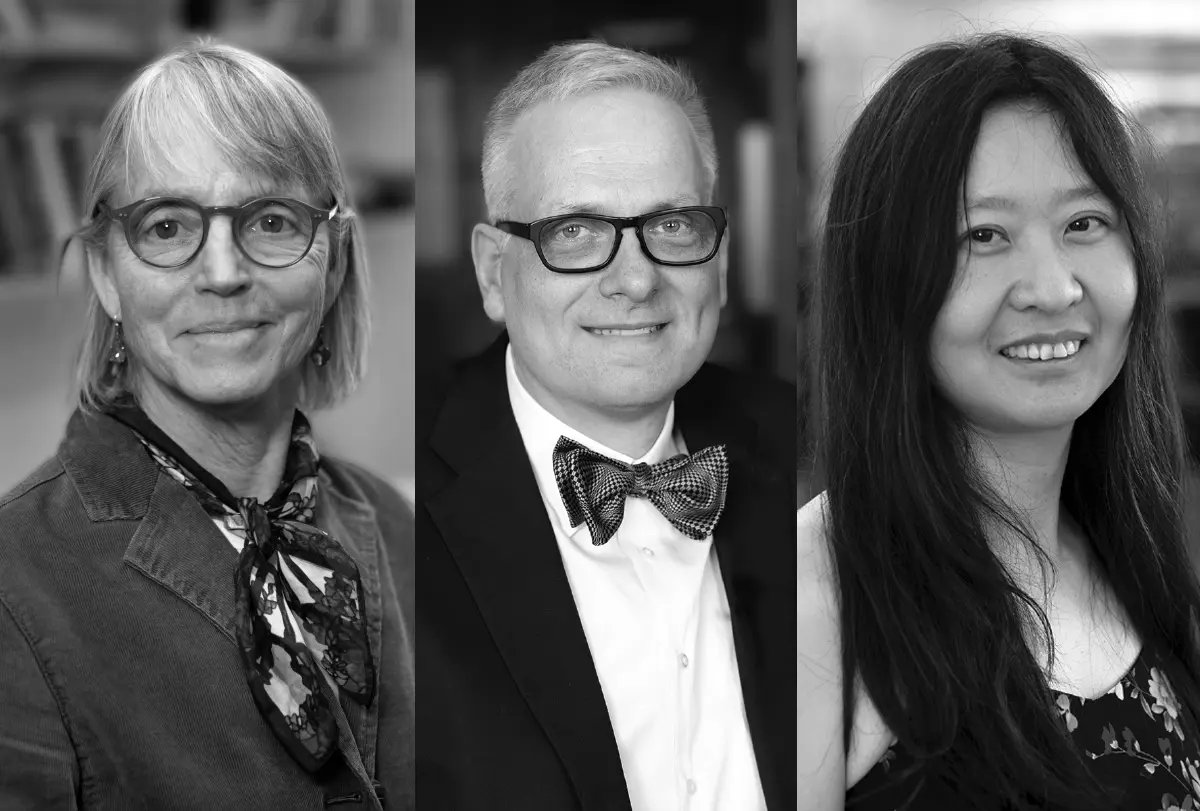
[[494, 522], [756, 555]]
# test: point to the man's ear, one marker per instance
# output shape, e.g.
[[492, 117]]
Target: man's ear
[[723, 267], [103, 283], [487, 252]]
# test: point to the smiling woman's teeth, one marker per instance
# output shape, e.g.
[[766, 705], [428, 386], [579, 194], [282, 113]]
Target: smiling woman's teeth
[[1043, 351], [641, 331]]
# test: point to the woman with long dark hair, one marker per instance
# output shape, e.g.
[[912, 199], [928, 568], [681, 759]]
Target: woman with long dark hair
[[995, 582]]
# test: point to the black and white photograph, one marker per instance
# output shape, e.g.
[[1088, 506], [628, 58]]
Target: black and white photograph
[[606, 423], [206, 419], [996, 561]]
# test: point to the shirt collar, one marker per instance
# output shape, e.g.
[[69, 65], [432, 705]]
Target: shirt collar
[[540, 431]]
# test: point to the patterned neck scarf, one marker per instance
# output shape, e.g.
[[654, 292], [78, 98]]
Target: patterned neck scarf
[[299, 598]]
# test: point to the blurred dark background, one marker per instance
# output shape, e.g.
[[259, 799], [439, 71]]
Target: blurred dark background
[[744, 59], [63, 63]]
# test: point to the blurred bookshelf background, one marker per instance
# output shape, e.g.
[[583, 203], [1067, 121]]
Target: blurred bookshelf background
[[1148, 52], [744, 62], [63, 63]]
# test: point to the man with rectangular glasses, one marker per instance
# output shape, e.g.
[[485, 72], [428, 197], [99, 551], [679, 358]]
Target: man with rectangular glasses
[[605, 522]]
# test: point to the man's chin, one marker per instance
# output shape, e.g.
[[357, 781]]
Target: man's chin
[[634, 392]]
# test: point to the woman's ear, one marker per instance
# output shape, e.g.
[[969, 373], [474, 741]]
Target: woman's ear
[[100, 272], [337, 275]]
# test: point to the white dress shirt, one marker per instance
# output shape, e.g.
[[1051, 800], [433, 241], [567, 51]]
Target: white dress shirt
[[657, 622]]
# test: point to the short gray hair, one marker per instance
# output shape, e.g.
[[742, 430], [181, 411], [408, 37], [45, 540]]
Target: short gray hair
[[576, 69], [262, 121]]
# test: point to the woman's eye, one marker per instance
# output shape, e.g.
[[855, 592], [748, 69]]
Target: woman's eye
[[983, 236], [166, 229], [1087, 224], [271, 224]]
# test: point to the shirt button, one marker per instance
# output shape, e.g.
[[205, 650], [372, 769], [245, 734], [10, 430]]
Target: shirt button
[[647, 551], [683, 660], [691, 785]]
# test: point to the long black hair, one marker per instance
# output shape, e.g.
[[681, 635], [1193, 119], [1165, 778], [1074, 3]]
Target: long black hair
[[932, 624]]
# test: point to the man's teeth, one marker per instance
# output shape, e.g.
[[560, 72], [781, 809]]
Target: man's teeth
[[640, 331], [1043, 351]]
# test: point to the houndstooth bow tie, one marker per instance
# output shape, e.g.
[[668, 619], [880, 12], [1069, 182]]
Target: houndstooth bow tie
[[688, 490]]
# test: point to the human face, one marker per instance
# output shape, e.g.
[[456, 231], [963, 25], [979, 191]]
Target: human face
[[626, 337], [220, 331], [1049, 262]]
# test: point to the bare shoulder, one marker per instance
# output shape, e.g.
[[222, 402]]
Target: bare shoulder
[[812, 550], [821, 765]]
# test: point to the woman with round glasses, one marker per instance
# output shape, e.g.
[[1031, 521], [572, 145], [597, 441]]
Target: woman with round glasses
[[997, 608], [197, 610]]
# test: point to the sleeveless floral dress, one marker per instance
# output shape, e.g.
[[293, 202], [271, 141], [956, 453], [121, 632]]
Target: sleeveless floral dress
[[1132, 737]]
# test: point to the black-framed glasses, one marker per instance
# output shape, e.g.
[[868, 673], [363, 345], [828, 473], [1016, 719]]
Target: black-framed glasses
[[581, 243], [168, 232]]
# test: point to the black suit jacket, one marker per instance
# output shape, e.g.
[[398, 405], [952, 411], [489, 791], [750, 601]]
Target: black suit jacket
[[511, 714]]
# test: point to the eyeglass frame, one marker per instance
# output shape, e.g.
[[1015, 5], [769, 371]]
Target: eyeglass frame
[[532, 231], [122, 215]]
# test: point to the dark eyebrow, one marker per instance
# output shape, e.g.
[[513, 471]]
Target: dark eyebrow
[[1062, 196], [679, 201]]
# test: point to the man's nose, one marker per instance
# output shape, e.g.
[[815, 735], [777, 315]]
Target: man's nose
[[631, 273]]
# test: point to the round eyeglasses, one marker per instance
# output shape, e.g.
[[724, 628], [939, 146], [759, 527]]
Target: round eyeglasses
[[581, 243], [168, 232]]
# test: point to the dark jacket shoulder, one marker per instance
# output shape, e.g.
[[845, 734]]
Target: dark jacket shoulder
[[717, 392]]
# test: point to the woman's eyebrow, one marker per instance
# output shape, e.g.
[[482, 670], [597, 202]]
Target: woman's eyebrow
[[1060, 197]]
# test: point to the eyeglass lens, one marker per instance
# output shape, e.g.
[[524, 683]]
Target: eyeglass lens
[[577, 242], [273, 233]]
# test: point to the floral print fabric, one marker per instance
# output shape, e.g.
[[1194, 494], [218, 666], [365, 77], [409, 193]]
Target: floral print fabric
[[1132, 735], [299, 602]]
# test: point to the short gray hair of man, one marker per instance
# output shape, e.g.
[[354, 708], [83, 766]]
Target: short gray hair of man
[[263, 122], [577, 69]]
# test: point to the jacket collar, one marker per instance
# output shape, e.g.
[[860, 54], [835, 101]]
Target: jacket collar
[[175, 542]]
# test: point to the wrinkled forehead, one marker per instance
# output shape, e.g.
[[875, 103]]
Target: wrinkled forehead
[[614, 148]]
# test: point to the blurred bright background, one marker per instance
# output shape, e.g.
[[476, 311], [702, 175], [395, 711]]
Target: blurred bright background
[[63, 62], [1148, 52], [743, 58]]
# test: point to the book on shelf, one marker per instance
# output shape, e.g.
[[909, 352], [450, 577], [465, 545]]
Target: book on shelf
[[15, 246], [43, 169], [16, 21], [355, 23], [22, 221], [50, 174]]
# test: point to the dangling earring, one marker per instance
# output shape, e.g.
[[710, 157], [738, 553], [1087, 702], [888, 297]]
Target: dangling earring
[[116, 354], [320, 352]]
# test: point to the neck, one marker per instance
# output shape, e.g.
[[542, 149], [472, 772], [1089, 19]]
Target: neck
[[244, 445], [631, 431], [1026, 472]]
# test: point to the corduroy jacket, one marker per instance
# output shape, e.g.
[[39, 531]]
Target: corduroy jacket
[[121, 684]]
